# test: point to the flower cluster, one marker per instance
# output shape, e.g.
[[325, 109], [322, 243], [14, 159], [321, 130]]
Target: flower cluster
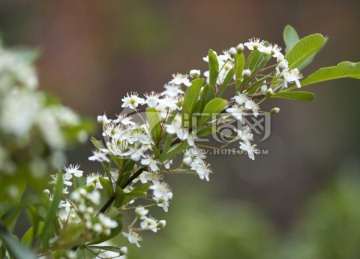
[[84, 211], [139, 145], [35, 129]]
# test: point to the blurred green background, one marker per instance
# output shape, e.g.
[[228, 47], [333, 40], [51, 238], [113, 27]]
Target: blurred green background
[[300, 200]]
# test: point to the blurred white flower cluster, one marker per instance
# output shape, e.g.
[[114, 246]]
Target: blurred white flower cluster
[[34, 128]]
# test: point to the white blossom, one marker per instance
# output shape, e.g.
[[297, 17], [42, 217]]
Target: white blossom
[[132, 101], [161, 190], [180, 79], [72, 171], [152, 163], [133, 237], [249, 149]]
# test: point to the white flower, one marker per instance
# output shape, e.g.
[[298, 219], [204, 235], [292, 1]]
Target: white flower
[[161, 191], [102, 119], [180, 79], [236, 111], [152, 163], [251, 105], [152, 100], [282, 72], [107, 222], [149, 223], [240, 98], [162, 203], [275, 51], [254, 43], [245, 134], [175, 128], [133, 237], [172, 90], [168, 104], [249, 149], [72, 171], [191, 139], [136, 155], [99, 156], [201, 168], [292, 76], [132, 101], [125, 120], [146, 176], [141, 211], [93, 180]]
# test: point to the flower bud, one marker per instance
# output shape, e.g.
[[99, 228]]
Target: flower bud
[[269, 93], [275, 110], [161, 224], [187, 160], [246, 73], [195, 73], [141, 211], [240, 48], [263, 88], [232, 51], [47, 192], [123, 250]]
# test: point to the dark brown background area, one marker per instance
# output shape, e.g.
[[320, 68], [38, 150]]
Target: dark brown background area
[[94, 52]]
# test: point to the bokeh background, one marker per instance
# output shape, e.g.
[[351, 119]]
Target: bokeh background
[[301, 200]]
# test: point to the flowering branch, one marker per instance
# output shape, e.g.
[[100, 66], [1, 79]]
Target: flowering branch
[[79, 210]]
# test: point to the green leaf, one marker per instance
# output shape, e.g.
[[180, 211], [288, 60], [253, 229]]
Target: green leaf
[[256, 61], [190, 98], [154, 119], [167, 144], [14, 247], [291, 37], [205, 131], [213, 68], [51, 215], [224, 85], [106, 184], [96, 143], [306, 62], [182, 171], [174, 151], [301, 96], [191, 95], [156, 151], [79, 182], [106, 248], [207, 95], [304, 48], [28, 237], [239, 67], [138, 192], [344, 69], [119, 197], [212, 108]]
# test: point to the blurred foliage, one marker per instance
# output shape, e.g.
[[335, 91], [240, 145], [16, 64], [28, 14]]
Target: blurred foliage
[[204, 229], [328, 228]]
